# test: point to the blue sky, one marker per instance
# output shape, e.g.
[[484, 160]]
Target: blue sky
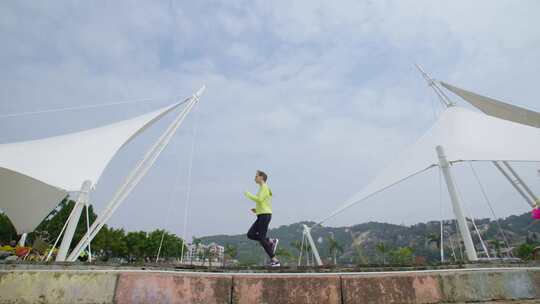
[[319, 94]]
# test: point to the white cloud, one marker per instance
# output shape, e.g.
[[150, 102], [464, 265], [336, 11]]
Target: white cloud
[[319, 94]]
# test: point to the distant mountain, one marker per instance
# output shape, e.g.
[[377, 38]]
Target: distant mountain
[[359, 241]]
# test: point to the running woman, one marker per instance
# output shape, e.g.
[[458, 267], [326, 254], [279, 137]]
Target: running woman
[[263, 210]]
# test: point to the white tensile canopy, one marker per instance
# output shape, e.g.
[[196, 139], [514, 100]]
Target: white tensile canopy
[[465, 136], [35, 175], [497, 108]]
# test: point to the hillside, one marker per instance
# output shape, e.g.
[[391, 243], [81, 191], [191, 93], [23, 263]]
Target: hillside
[[359, 241]]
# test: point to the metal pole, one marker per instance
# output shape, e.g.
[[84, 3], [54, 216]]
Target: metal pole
[[301, 249], [73, 221], [442, 243], [452, 246], [433, 84], [135, 177], [456, 205], [521, 182], [512, 182], [87, 229], [59, 236], [22, 240], [312, 245]]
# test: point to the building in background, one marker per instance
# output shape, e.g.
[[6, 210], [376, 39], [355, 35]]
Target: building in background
[[204, 254]]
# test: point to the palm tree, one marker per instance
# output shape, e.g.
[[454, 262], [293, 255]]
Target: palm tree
[[308, 255], [210, 253], [200, 253], [334, 247], [381, 248], [498, 246], [283, 254], [196, 241], [434, 238], [298, 246], [358, 256], [230, 251]]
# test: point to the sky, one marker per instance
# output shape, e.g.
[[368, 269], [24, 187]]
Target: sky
[[320, 95]]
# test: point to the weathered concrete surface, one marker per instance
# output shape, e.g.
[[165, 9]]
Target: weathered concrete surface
[[278, 289], [132, 286], [487, 285], [391, 289], [57, 287], [535, 278], [173, 288], [442, 287], [504, 302]]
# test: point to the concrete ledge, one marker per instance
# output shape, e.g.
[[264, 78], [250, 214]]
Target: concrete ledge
[[57, 287], [132, 286], [487, 286], [286, 289], [391, 289], [173, 288]]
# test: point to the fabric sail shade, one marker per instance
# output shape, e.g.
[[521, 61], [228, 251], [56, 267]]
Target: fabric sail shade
[[465, 135], [35, 175], [497, 108]]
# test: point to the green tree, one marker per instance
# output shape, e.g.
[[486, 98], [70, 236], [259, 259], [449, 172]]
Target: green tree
[[7, 231], [171, 245], [110, 242], [200, 253], [358, 257], [525, 251], [296, 244], [197, 241], [136, 244], [54, 222], [209, 254], [231, 251], [334, 248], [402, 255], [434, 238], [309, 255], [284, 255], [498, 247], [381, 248]]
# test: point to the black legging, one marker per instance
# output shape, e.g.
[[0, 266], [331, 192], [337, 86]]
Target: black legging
[[258, 230]]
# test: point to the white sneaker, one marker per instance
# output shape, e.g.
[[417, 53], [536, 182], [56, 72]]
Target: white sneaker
[[275, 264]]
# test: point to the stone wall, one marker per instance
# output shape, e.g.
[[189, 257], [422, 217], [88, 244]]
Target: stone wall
[[120, 286]]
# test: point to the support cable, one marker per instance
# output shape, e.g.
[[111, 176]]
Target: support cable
[[176, 181], [61, 232], [87, 230], [188, 190], [459, 242], [488, 202], [473, 222], [352, 201], [301, 249], [85, 107], [136, 175]]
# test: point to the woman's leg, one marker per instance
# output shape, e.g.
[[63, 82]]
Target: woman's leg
[[263, 229], [253, 233]]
